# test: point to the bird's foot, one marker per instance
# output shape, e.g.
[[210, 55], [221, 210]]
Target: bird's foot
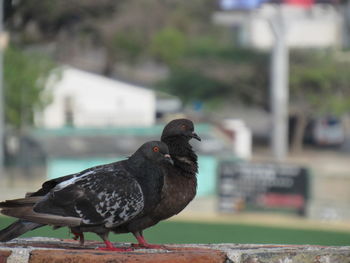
[[144, 244], [109, 247]]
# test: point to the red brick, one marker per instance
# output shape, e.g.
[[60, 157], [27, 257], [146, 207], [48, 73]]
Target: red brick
[[4, 254], [178, 255]]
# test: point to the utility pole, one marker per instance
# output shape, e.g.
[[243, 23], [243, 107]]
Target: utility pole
[[279, 88]]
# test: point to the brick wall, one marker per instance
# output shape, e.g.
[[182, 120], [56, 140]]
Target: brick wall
[[43, 250]]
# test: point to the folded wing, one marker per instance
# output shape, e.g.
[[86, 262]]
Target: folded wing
[[107, 199]]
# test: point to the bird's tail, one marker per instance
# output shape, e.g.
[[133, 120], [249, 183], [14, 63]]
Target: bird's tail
[[16, 229]]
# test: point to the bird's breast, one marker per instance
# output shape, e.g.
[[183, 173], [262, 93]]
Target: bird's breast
[[177, 192]]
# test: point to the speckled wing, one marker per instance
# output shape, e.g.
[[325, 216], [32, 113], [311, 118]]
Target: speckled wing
[[109, 198], [50, 184]]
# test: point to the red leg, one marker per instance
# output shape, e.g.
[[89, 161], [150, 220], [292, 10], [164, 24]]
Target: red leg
[[143, 243], [80, 237], [110, 247]]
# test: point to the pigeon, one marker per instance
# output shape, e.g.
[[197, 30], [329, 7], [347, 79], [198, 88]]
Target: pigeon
[[180, 181], [98, 199]]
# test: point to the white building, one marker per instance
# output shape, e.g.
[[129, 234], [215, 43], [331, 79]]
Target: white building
[[83, 99], [319, 26]]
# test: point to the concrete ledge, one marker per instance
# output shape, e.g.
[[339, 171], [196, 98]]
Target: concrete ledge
[[40, 250]]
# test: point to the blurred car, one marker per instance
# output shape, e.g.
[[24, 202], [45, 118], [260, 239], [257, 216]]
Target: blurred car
[[328, 131]]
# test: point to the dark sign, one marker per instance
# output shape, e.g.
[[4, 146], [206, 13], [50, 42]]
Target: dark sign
[[262, 186]]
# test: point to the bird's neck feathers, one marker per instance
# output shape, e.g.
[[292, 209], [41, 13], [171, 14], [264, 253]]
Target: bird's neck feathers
[[149, 175], [183, 155], [142, 167], [145, 171]]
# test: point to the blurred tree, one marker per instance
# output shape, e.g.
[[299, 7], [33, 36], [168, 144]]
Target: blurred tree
[[53, 16], [219, 75], [319, 85], [128, 46], [191, 85], [168, 45], [25, 76], [161, 37], [127, 34], [120, 27]]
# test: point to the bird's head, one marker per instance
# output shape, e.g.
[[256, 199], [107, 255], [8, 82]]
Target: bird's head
[[156, 151], [180, 127]]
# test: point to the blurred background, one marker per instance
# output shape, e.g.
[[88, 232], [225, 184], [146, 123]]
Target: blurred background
[[267, 84]]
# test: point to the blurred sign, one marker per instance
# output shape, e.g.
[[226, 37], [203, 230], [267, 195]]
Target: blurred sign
[[304, 3], [240, 4], [252, 4], [257, 186]]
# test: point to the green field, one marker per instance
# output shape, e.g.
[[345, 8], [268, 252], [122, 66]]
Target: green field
[[189, 232]]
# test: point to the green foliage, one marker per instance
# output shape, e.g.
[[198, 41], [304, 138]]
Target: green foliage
[[51, 16], [203, 61], [25, 76], [209, 47], [169, 45], [127, 46], [192, 85], [319, 83], [218, 74]]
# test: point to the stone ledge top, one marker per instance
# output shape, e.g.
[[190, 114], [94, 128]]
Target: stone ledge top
[[40, 250]]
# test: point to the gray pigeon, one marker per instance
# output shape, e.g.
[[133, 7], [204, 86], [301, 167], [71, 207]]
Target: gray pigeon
[[96, 200]]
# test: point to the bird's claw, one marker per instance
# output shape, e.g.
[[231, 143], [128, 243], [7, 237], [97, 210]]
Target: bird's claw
[[109, 247]]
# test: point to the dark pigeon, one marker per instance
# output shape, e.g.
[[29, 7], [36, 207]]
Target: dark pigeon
[[96, 200], [180, 181]]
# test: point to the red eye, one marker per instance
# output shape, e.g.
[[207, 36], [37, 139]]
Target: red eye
[[183, 127], [156, 149]]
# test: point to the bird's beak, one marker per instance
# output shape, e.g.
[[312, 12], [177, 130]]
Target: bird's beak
[[168, 159], [195, 136]]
